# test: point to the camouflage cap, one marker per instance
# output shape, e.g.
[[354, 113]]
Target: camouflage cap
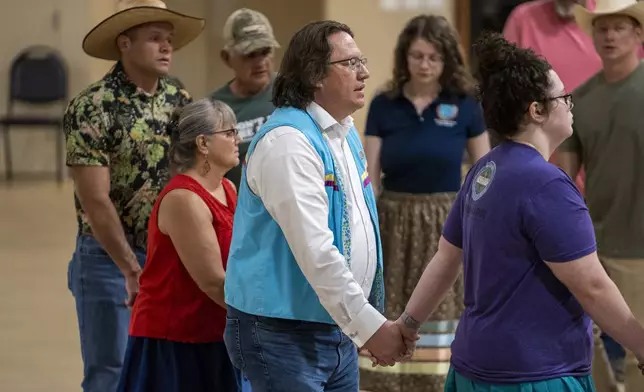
[[247, 30]]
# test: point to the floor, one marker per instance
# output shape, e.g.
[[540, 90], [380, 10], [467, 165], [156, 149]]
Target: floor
[[38, 331]]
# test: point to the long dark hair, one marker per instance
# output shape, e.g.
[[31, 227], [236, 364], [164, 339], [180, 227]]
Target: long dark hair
[[305, 63], [436, 30]]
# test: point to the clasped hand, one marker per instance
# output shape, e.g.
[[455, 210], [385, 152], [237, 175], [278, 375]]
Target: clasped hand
[[393, 342]]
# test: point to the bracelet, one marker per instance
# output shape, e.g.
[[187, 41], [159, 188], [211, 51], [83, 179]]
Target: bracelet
[[409, 321]]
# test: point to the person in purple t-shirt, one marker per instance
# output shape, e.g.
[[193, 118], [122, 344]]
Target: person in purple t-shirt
[[522, 232]]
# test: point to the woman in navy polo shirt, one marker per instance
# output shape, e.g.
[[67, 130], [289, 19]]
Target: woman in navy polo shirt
[[417, 133], [522, 232]]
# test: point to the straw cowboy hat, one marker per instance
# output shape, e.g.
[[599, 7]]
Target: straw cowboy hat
[[631, 8], [100, 42]]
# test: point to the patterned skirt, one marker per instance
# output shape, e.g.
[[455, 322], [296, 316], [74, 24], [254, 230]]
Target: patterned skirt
[[410, 228]]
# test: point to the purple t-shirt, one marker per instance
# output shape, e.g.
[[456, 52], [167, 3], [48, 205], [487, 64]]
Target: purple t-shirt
[[521, 324]]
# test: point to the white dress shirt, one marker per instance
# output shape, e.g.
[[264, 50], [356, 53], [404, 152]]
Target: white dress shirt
[[287, 173]]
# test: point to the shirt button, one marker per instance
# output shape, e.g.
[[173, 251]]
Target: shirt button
[[421, 119]]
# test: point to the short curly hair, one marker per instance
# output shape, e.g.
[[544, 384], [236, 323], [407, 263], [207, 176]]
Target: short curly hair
[[511, 79]]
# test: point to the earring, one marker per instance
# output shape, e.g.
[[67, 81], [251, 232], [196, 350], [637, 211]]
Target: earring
[[206, 165]]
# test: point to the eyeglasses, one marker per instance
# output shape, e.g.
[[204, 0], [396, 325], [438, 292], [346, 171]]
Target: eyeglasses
[[417, 57], [352, 62], [232, 132], [567, 100], [566, 97]]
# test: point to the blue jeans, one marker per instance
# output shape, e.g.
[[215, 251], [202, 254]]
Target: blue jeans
[[98, 287], [280, 355]]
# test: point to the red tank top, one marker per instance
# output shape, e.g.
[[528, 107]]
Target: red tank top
[[170, 305]]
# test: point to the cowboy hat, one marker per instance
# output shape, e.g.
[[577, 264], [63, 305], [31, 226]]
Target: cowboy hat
[[100, 42], [585, 18]]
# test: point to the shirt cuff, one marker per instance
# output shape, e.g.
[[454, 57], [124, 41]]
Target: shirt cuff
[[364, 325]]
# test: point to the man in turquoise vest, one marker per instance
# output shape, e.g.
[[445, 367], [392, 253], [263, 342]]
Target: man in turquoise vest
[[304, 283]]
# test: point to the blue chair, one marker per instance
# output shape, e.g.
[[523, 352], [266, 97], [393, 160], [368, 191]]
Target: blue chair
[[38, 76]]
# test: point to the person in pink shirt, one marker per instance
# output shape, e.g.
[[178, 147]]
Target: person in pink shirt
[[548, 27]]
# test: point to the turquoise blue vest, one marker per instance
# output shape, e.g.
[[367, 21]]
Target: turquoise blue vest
[[262, 276]]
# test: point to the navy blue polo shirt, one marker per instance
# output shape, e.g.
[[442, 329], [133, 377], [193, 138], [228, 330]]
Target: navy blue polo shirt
[[423, 153]]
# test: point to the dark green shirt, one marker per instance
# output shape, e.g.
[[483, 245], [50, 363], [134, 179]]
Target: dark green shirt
[[609, 138], [114, 123], [251, 113]]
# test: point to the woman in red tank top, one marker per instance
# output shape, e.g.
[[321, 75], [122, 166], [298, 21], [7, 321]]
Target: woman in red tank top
[[178, 319]]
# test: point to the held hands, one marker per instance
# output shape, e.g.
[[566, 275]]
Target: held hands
[[393, 342], [410, 336]]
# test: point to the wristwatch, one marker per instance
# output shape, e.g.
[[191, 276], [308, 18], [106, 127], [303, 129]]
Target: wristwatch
[[409, 321]]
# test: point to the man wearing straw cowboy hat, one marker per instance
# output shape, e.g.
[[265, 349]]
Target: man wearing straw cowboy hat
[[116, 150], [608, 140]]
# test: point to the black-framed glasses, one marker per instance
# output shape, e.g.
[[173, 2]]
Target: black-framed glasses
[[231, 132], [352, 62], [567, 99]]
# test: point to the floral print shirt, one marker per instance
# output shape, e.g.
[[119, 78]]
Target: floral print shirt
[[114, 123]]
